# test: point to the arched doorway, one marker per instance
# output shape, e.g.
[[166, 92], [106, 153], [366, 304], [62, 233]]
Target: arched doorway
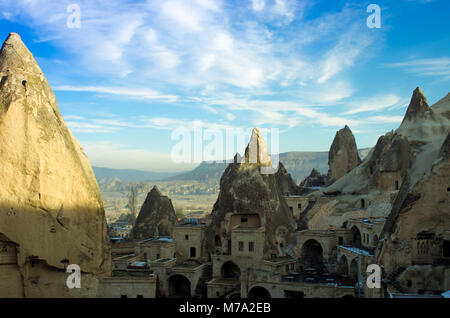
[[230, 270], [356, 237], [179, 287], [259, 292], [353, 271], [312, 253], [343, 266]]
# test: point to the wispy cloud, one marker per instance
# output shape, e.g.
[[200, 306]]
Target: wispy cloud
[[436, 67], [377, 103], [129, 92]]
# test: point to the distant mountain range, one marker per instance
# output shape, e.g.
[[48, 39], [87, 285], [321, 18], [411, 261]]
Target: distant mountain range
[[298, 164], [129, 175]]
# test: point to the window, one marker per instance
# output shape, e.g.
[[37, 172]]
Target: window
[[363, 203], [299, 206], [241, 246], [244, 219], [371, 170], [287, 268], [186, 237], [368, 239], [158, 256], [217, 294], [273, 255], [251, 246], [397, 185], [193, 251], [292, 266], [340, 240]]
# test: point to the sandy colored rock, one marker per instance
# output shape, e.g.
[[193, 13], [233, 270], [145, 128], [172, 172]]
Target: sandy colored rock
[[343, 155], [157, 216], [417, 230], [51, 205]]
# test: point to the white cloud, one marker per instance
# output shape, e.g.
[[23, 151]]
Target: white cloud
[[436, 67], [130, 92], [258, 5], [377, 103]]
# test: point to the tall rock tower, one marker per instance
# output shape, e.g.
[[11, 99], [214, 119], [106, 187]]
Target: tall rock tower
[[156, 218], [51, 210], [343, 155], [245, 191]]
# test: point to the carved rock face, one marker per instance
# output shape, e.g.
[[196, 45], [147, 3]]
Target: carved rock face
[[50, 203]]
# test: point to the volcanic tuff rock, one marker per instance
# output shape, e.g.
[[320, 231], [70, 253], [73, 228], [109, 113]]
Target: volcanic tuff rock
[[51, 208], [285, 182], [417, 106], [418, 226], [156, 218], [315, 179], [343, 155], [245, 190], [403, 155]]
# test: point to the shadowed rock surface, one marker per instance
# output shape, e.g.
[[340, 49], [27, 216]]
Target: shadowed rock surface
[[157, 216], [315, 179], [285, 182], [50, 203]]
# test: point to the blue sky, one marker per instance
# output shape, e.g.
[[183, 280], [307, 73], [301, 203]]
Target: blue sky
[[136, 70]]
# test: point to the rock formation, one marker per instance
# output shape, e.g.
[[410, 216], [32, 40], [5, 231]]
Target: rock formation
[[157, 216], [51, 210], [416, 237], [315, 179], [343, 155], [407, 151], [285, 182], [244, 190], [417, 106]]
